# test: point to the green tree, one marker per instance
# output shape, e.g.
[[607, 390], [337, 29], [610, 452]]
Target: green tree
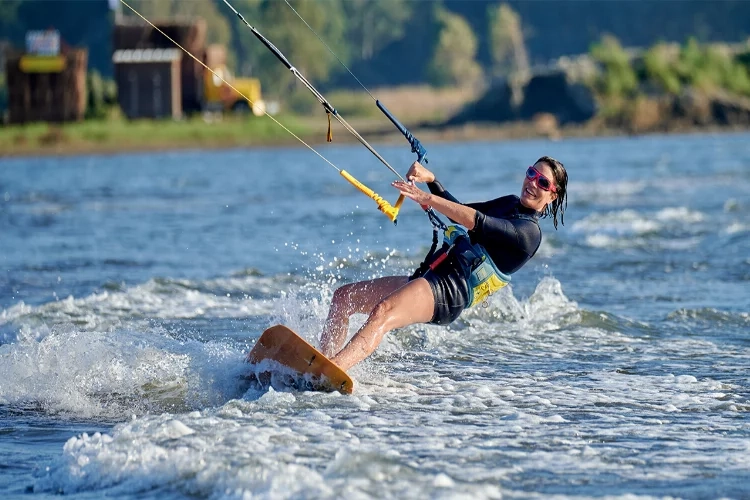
[[160, 10], [372, 24], [289, 34], [660, 65], [710, 68], [618, 78], [507, 46], [247, 48], [454, 60]]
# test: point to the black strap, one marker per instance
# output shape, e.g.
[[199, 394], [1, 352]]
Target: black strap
[[425, 265]]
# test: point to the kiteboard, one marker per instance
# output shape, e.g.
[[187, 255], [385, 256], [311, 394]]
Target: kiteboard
[[280, 356]]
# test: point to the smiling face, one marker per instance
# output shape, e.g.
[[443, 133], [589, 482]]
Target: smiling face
[[533, 196]]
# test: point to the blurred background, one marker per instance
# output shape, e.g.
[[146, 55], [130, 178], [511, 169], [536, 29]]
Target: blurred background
[[482, 69]]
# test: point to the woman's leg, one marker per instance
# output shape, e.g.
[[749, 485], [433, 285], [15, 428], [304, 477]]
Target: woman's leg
[[409, 304], [360, 297]]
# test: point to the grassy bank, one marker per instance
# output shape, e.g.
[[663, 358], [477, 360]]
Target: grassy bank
[[116, 135], [412, 105]]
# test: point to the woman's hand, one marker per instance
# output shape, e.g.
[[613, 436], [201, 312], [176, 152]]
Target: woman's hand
[[413, 192], [418, 173]]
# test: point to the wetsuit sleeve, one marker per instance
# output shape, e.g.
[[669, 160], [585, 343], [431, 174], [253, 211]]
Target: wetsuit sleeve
[[438, 190], [520, 234], [483, 206]]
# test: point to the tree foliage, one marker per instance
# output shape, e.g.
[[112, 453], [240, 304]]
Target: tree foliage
[[372, 24], [507, 46], [290, 35], [399, 41], [618, 78], [244, 45], [454, 60], [216, 21], [710, 68], [660, 68], [704, 67]]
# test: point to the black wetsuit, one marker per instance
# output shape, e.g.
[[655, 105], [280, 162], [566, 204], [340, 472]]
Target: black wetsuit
[[507, 230]]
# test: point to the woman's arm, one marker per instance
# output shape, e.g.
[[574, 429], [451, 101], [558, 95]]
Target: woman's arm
[[461, 214], [441, 201]]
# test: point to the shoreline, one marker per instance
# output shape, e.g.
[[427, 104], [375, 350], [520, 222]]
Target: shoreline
[[471, 132]]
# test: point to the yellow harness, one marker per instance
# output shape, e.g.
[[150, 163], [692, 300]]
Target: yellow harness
[[484, 277]]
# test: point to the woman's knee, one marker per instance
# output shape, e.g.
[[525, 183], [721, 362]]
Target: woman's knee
[[383, 311]]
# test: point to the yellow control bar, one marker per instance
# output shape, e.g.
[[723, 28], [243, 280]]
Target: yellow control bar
[[389, 210]]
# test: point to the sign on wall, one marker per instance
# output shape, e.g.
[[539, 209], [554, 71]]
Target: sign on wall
[[43, 43]]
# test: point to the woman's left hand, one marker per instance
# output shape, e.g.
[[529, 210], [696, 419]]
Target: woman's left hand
[[413, 192]]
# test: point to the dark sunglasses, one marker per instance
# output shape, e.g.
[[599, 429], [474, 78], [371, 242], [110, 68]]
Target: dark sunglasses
[[541, 181]]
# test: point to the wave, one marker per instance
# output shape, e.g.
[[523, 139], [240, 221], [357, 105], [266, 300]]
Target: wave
[[708, 316], [161, 298], [117, 374], [102, 356], [673, 228]]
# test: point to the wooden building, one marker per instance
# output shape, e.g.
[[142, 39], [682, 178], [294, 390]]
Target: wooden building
[[148, 82], [46, 85], [133, 35]]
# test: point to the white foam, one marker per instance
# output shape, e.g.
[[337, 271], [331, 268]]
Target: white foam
[[624, 222], [154, 299], [675, 228], [109, 374]]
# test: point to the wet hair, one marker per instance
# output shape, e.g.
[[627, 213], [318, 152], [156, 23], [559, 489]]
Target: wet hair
[[560, 203]]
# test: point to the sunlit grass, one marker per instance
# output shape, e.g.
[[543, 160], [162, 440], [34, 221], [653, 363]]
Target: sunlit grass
[[410, 104], [121, 134]]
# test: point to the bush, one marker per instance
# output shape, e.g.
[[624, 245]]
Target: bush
[[661, 68], [618, 78], [710, 69]]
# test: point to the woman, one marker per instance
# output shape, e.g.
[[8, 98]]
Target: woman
[[503, 234]]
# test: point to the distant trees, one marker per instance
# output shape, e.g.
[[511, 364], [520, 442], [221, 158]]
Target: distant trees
[[659, 65], [507, 46], [710, 68], [454, 59], [668, 68], [618, 78], [290, 35], [391, 41], [243, 43], [373, 24], [644, 90], [216, 21]]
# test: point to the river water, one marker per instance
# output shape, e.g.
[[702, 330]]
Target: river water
[[615, 366]]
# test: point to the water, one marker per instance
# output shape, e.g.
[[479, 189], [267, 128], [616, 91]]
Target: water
[[615, 366]]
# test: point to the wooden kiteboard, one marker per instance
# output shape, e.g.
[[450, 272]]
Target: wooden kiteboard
[[310, 369]]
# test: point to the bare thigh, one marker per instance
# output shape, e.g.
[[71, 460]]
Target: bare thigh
[[363, 296]]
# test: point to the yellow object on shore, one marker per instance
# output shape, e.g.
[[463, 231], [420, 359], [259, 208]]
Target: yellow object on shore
[[42, 64]]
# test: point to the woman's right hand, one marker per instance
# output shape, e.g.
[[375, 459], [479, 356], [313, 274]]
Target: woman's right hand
[[418, 173]]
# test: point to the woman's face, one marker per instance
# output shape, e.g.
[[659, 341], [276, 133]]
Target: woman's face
[[532, 195]]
